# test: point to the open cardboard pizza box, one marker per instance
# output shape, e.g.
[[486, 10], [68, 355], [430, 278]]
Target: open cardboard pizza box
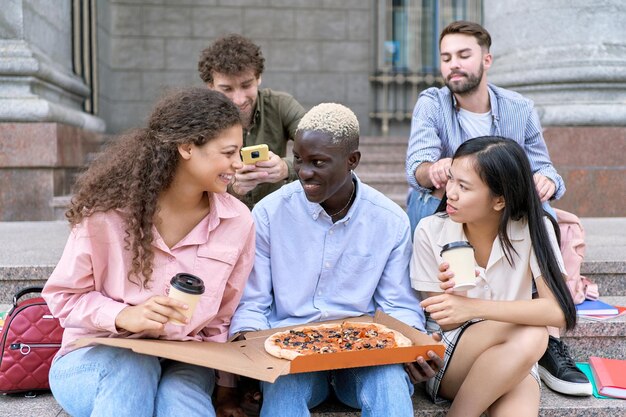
[[248, 357]]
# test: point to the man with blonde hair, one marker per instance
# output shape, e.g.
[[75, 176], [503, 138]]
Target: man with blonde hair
[[331, 247]]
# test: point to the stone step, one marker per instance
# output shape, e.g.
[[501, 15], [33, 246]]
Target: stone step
[[388, 183], [60, 203], [606, 338], [365, 142], [552, 405], [383, 158], [30, 250]]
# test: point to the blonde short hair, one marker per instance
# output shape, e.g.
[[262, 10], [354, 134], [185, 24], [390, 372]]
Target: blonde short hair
[[336, 120]]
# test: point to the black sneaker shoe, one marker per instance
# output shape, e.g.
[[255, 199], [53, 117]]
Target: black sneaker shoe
[[558, 370]]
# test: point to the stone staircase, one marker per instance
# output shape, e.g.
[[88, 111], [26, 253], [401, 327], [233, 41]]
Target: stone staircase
[[29, 251], [382, 166]]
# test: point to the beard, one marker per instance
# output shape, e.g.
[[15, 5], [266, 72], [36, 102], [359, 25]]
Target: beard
[[468, 86], [247, 115]]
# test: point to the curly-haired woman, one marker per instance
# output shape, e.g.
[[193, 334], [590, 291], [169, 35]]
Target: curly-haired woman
[[154, 204]]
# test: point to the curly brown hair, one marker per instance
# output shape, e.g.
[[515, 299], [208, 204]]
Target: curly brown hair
[[230, 55], [131, 173]]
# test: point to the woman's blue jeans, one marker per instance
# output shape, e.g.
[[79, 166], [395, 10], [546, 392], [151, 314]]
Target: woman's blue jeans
[[115, 382]]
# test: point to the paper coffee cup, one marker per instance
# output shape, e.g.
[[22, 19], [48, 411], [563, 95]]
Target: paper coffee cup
[[186, 288], [460, 256]]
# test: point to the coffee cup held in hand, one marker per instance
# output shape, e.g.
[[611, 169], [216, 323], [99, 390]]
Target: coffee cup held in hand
[[460, 257], [186, 288]]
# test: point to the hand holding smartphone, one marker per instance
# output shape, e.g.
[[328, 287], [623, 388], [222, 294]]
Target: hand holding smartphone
[[253, 154]]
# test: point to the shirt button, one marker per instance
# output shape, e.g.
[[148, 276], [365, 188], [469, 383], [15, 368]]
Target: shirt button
[[319, 293], [486, 287], [324, 314], [327, 264], [330, 232], [172, 259]]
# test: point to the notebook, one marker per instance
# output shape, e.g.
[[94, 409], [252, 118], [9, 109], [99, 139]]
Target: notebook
[[621, 311], [596, 308], [610, 376]]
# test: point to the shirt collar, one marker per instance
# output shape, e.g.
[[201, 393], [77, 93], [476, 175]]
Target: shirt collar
[[453, 232], [493, 102], [222, 208], [316, 210], [257, 110]]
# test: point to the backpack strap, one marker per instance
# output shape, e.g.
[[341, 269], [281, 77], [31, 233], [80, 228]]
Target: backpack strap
[[590, 289]]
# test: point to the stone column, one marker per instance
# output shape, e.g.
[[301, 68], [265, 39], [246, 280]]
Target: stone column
[[569, 57], [44, 131]]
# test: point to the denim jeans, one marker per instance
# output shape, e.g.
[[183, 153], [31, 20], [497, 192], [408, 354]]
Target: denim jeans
[[379, 391], [116, 382], [420, 205]]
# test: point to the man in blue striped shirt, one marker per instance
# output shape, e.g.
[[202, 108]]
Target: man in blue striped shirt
[[468, 107]]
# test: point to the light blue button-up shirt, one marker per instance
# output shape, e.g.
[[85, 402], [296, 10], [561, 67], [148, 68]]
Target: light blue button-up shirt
[[436, 132], [309, 269]]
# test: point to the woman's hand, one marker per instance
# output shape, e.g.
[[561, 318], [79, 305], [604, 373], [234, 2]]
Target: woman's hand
[[449, 309], [446, 277], [151, 315]]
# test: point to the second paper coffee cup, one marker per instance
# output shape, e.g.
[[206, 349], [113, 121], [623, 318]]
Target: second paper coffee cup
[[460, 256], [186, 288]]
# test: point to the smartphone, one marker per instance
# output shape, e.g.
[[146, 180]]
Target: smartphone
[[253, 154]]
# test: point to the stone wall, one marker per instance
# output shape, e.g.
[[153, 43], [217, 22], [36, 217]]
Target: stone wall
[[37, 81], [317, 50], [569, 57], [44, 132]]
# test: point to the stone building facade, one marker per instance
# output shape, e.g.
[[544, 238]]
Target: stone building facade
[[74, 71]]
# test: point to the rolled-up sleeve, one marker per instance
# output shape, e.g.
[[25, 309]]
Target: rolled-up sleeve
[[537, 151], [424, 142]]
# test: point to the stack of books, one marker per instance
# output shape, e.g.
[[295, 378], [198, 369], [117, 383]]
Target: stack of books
[[598, 310]]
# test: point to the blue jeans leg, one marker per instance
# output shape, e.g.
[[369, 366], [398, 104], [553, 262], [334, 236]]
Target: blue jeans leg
[[293, 395], [420, 205], [104, 381], [185, 390], [379, 391]]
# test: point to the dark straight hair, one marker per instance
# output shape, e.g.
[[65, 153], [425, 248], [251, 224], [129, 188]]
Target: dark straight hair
[[502, 165]]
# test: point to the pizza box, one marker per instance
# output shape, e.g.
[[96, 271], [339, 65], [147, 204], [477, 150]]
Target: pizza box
[[249, 358]]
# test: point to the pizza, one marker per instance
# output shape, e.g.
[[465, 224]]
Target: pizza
[[330, 338]]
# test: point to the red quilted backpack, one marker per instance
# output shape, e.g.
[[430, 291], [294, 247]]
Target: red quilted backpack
[[30, 338]]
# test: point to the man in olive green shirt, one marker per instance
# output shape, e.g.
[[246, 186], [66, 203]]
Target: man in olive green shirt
[[233, 66]]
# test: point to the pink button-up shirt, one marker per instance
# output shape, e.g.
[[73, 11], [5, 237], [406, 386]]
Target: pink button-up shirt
[[89, 286]]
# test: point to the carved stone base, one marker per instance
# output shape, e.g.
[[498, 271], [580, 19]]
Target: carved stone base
[[38, 161]]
